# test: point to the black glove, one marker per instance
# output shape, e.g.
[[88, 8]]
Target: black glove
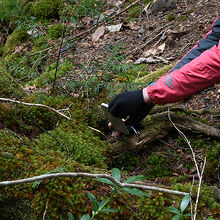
[[130, 104]]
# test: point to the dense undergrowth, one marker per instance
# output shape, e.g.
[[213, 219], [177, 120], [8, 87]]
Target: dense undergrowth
[[35, 140]]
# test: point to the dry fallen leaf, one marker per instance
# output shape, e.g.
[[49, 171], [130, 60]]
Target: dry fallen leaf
[[146, 60], [114, 28], [155, 51], [98, 33]]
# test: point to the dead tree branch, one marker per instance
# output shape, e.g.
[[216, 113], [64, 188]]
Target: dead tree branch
[[33, 104], [199, 173], [90, 175]]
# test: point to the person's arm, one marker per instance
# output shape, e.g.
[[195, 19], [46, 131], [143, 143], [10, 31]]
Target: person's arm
[[200, 73], [198, 69]]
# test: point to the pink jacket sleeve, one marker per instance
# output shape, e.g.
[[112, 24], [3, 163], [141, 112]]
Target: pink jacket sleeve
[[200, 72]]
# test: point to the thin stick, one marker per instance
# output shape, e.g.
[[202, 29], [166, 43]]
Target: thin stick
[[191, 206], [187, 141], [199, 187], [33, 104], [200, 174], [90, 175], [45, 211]]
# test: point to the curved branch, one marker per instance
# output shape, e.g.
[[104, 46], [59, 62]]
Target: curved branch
[[33, 104], [90, 175]]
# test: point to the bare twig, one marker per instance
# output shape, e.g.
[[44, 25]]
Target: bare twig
[[90, 175], [198, 191], [200, 174], [129, 6], [34, 104], [94, 129], [191, 189], [58, 60], [186, 140], [45, 211]]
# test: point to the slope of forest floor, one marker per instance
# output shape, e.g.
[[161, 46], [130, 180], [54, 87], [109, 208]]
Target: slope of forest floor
[[71, 60]]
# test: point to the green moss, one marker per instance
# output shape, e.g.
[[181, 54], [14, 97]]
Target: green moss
[[1, 50], [207, 200], [127, 160], [47, 77], [83, 146], [170, 17], [182, 18], [10, 10], [11, 208], [146, 2], [8, 86], [28, 8], [155, 75], [47, 8], [19, 159], [17, 37], [40, 43], [154, 207], [55, 31], [156, 166]]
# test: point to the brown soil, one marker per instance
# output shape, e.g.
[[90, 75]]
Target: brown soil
[[193, 19]]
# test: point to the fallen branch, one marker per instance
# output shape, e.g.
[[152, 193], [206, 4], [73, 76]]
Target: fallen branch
[[45, 211], [90, 175], [33, 104], [159, 126], [199, 173], [198, 191]]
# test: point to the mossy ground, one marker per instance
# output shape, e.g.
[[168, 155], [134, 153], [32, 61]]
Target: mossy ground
[[35, 140]]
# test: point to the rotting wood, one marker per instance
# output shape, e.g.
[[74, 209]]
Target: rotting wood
[[158, 126]]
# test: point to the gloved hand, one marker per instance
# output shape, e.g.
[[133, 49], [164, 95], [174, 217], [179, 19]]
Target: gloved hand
[[130, 104]]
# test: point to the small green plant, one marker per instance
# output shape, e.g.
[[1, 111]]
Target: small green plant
[[99, 207], [170, 17], [116, 174], [183, 206]]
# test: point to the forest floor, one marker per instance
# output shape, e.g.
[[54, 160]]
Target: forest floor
[[163, 38], [191, 22]]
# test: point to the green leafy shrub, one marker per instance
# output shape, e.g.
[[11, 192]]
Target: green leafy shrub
[[55, 31], [47, 8]]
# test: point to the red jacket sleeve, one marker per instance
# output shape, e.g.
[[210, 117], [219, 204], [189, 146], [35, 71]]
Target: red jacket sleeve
[[200, 73], [198, 69]]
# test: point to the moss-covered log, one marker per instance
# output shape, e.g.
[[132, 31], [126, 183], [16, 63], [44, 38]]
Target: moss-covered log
[[158, 126]]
